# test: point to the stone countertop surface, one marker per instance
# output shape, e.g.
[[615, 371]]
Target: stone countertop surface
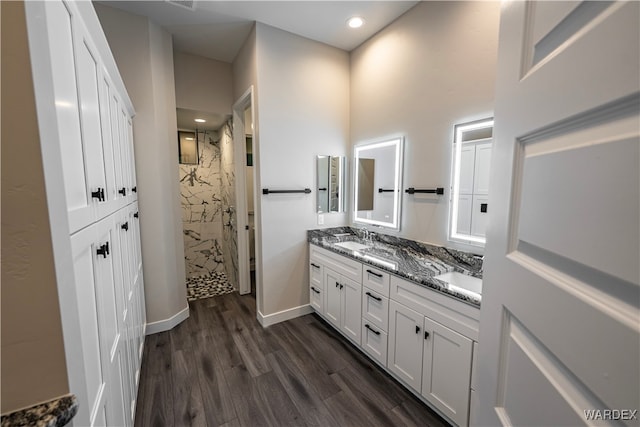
[[415, 261], [55, 413]]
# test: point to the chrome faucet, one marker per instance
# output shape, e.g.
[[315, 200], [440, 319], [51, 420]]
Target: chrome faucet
[[365, 233]]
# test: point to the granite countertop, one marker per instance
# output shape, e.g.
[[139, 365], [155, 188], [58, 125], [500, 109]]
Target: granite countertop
[[415, 261], [55, 413]]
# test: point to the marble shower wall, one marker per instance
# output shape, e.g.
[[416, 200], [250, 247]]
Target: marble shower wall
[[201, 200], [229, 220]]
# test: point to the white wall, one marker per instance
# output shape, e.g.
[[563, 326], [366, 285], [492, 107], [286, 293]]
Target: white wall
[[32, 349], [430, 69], [202, 84], [144, 55], [303, 104]]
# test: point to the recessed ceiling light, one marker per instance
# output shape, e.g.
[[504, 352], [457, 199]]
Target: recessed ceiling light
[[355, 22], [200, 120]]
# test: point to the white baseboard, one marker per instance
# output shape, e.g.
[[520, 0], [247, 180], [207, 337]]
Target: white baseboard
[[167, 324], [281, 316]]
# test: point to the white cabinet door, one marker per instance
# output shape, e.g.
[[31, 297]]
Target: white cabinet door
[[481, 169], [332, 296], [467, 160], [405, 344], [108, 143], [446, 371], [64, 84], [465, 203], [350, 312], [479, 215], [95, 259]]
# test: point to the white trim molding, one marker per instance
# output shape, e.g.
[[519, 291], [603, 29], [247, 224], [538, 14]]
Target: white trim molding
[[284, 315], [167, 324]]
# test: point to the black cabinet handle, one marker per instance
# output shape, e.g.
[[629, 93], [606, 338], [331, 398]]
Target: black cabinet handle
[[369, 294], [125, 226], [315, 290], [136, 215], [417, 329], [337, 284], [371, 329], [322, 189], [134, 189], [123, 191], [103, 250], [98, 194], [483, 207], [341, 286], [314, 265], [374, 273], [426, 334]]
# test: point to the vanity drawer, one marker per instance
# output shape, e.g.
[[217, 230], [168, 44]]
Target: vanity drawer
[[375, 308], [375, 279], [347, 267], [374, 342], [316, 298]]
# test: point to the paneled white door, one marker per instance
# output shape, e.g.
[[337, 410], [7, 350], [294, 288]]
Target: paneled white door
[[332, 295], [560, 324]]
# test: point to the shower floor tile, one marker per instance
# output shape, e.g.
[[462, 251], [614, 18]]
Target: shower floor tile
[[207, 286]]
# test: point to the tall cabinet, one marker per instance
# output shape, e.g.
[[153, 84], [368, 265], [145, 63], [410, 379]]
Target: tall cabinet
[[85, 123]]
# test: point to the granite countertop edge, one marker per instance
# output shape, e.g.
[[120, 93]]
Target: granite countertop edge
[[411, 251], [54, 413]]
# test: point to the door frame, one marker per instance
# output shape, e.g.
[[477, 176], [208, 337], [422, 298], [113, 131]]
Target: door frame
[[242, 213]]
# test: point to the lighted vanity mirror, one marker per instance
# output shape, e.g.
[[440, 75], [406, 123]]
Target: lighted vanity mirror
[[330, 178], [377, 183], [470, 181]]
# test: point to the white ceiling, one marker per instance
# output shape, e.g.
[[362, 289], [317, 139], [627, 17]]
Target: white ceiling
[[217, 29], [186, 120]]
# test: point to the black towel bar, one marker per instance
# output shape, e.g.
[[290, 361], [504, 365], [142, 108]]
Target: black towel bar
[[267, 191], [412, 190]]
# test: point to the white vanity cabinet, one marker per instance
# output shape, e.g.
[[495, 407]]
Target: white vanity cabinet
[[422, 337], [431, 339], [335, 289]]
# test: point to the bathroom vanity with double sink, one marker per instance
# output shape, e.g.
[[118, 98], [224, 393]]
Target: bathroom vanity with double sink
[[411, 307]]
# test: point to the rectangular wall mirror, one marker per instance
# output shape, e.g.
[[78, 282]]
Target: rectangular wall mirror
[[330, 179], [470, 181], [378, 182]]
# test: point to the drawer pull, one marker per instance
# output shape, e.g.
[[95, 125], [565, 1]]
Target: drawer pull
[[426, 335], [374, 273], [125, 226], [337, 284], [369, 294], [417, 329], [371, 329], [123, 191], [315, 290], [315, 265]]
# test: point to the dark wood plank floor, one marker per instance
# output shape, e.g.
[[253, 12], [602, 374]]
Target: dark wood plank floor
[[221, 368]]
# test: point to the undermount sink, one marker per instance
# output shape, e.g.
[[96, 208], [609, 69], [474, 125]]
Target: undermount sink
[[352, 246], [459, 280]]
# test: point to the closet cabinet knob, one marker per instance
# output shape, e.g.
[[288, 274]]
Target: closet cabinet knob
[[125, 226], [103, 250], [123, 191]]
